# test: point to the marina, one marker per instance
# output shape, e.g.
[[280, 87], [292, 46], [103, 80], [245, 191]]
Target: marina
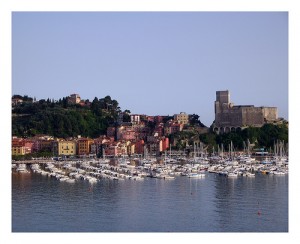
[[94, 170], [99, 196]]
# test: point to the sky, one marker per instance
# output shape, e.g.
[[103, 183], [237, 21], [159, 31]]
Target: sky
[[186, 56], [154, 63]]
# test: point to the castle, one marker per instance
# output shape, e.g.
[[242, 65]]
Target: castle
[[231, 118]]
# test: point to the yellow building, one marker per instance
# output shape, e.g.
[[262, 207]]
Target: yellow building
[[66, 148], [18, 150], [182, 118]]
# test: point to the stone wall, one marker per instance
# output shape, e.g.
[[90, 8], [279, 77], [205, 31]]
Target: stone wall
[[252, 116], [270, 113], [229, 117]]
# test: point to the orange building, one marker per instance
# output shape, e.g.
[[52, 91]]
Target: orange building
[[83, 146], [164, 144]]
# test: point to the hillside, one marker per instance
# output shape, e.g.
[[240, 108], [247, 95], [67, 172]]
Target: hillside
[[60, 119]]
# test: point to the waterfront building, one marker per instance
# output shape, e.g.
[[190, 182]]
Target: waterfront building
[[18, 150], [139, 146], [21, 146], [83, 146], [230, 117], [115, 149], [97, 145], [164, 144], [66, 148]]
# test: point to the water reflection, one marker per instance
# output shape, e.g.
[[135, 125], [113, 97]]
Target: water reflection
[[211, 204]]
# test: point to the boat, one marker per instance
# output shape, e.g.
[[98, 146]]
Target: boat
[[248, 174], [22, 168], [136, 178], [195, 175], [232, 174], [70, 180]]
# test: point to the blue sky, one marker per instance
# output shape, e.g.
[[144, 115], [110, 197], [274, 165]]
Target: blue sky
[[155, 63]]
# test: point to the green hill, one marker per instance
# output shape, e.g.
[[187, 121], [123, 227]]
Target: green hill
[[61, 119]]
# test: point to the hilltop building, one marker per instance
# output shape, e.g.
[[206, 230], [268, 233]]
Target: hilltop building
[[74, 99], [182, 118], [230, 118]]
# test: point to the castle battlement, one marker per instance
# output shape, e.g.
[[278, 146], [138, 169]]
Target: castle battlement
[[229, 117]]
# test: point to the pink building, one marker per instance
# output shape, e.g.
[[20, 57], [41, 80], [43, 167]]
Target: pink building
[[172, 127]]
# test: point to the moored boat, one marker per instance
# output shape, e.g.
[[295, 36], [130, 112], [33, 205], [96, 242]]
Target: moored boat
[[195, 175]]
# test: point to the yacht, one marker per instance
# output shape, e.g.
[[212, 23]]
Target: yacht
[[232, 174], [195, 175], [22, 168]]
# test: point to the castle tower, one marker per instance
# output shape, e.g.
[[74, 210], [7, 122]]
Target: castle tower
[[222, 102], [223, 96]]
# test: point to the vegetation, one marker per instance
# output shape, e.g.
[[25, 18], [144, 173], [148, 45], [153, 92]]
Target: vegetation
[[263, 137], [61, 119]]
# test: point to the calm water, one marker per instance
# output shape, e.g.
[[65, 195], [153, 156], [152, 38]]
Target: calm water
[[211, 204]]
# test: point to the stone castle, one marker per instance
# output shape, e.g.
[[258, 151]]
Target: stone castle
[[231, 118]]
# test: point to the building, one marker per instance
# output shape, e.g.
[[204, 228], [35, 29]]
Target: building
[[21, 146], [182, 118], [74, 99], [230, 118], [135, 119], [16, 101], [164, 144], [139, 146], [18, 150], [66, 148], [83, 146], [172, 127]]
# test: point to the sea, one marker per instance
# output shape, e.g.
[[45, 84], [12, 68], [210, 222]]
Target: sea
[[185, 205]]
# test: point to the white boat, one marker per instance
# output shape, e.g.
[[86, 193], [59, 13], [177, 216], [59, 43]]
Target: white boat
[[165, 177], [65, 178], [136, 178], [248, 174], [232, 175], [70, 180], [92, 180], [195, 175], [22, 168]]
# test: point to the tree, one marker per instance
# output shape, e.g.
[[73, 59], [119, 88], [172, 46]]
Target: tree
[[195, 120], [126, 116]]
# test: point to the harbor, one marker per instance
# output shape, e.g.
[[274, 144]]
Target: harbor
[[147, 196], [167, 168]]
